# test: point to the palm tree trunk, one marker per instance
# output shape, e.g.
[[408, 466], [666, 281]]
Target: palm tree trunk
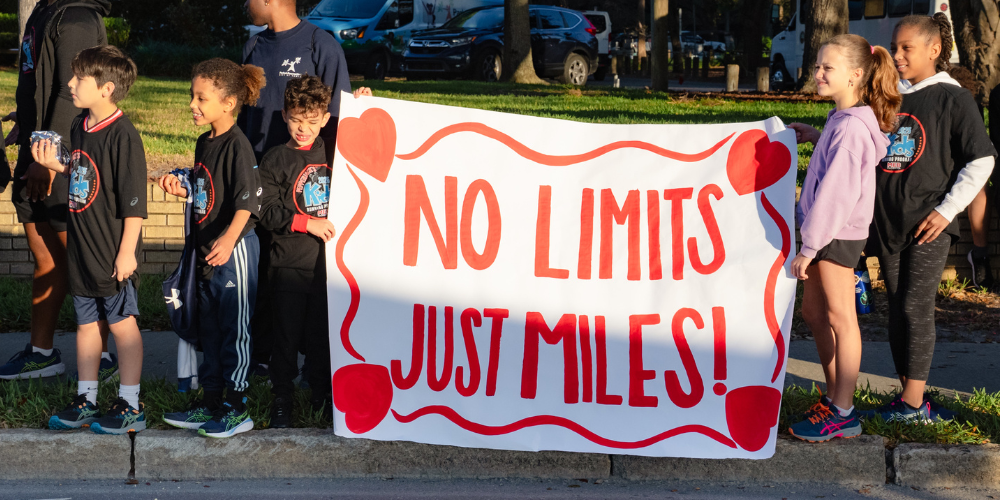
[[824, 20], [517, 65]]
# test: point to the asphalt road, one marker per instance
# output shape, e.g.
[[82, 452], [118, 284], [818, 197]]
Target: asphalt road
[[371, 489]]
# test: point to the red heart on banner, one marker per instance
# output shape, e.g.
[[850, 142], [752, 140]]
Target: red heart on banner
[[363, 393], [368, 142], [755, 162], [750, 414]]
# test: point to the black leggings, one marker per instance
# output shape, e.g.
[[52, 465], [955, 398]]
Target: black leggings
[[911, 280]]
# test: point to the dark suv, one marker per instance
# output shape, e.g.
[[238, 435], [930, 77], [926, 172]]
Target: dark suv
[[563, 45]]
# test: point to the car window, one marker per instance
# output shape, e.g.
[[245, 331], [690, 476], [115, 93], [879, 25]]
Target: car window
[[390, 20], [533, 20], [570, 20], [922, 7], [477, 19], [348, 9], [855, 9], [405, 12], [599, 22], [549, 19], [874, 9], [899, 8]]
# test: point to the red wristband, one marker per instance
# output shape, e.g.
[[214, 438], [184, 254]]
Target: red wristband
[[299, 222]]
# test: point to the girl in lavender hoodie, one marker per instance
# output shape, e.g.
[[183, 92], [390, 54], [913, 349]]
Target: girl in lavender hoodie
[[834, 214]]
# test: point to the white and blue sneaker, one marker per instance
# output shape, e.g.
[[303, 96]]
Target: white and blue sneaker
[[79, 413], [120, 419], [228, 421], [30, 364]]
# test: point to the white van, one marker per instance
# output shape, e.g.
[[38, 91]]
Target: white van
[[602, 23], [872, 19]]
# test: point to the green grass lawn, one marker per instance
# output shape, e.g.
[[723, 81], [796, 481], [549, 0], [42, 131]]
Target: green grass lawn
[[158, 107]]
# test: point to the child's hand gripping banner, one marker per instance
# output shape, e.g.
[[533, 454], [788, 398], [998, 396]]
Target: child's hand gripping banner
[[521, 283]]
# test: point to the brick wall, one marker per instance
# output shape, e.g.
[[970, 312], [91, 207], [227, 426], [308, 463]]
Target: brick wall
[[162, 236], [163, 240]]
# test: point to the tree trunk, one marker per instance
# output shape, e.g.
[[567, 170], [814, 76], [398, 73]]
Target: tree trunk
[[517, 65], [642, 32], [824, 19], [661, 46], [976, 28], [755, 14], [24, 8]]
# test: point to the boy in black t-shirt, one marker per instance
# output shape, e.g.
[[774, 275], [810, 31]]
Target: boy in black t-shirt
[[226, 192], [107, 202], [296, 181]]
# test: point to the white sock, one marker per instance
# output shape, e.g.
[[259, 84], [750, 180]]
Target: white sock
[[130, 393], [44, 352], [843, 412], [106, 355], [89, 388]]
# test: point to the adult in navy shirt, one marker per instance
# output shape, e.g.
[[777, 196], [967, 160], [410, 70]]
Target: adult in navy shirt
[[289, 48]]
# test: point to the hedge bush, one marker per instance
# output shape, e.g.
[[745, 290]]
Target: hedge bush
[[172, 59]]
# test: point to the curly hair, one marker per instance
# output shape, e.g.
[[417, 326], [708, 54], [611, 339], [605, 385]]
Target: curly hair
[[936, 28], [308, 94], [242, 82]]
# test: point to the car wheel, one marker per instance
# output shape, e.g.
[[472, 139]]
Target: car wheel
[[377, 66], [488, 66], [576, 70]]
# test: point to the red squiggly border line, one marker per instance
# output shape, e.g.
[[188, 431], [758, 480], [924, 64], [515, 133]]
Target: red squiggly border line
[[555, 160], [486, 430], [352, 310], [772, 281]]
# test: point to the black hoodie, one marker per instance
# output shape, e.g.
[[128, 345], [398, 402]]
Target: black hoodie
[[53, 36]]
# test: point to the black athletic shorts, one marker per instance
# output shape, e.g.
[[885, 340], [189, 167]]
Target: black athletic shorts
[[843, 252], [53, 209]]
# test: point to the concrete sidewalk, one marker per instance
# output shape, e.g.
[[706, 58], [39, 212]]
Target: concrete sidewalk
[[957, 367]]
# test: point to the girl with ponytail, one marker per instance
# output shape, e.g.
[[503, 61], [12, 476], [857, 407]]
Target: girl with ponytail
[[834, 214], [224, 210], [940, 158]]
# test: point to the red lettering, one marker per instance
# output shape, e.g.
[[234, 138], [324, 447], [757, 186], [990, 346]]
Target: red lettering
[[719, 337], [653, 220], [542, 269], [676, 198], [496, 330], [585, 360], [435, 383], [416, 203], [705, 207], [417, 360], [674, 391], [480, 261], [603, 398], [565, 332], [469, 317], [636, 374], [586, 235], [629, 212]]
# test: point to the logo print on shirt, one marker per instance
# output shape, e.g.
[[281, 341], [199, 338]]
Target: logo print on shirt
[[27, 52], [312, 191], [291, 67], [204, 194], [134, 201], [84, 182], [907, 145]]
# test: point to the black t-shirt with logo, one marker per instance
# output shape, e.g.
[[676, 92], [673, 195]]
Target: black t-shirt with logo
[[107, 183], [940, 130], [296, 184], [224, 180]]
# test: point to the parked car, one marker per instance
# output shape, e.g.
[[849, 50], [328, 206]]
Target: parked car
[[691, 43], [373, 33], [563, 45], [719, 41], [602, 22]]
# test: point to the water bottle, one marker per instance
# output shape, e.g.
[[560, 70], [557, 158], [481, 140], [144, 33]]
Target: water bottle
[[862, 289]]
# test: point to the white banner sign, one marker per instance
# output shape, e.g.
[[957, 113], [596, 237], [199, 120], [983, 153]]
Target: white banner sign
[[521, 283]]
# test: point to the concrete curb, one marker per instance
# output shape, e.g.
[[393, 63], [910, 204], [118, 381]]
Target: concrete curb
[[928, 465], [859, 461]]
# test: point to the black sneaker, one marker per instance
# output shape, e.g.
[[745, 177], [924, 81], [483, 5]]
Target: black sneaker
[[78, 414], [192, 418], [227, 421], [120, 419], [281, 413], [982, 275]]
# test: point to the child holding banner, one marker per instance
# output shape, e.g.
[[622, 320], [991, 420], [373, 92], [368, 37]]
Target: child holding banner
[[940, 159], [834, 213], [107, 203], [226, 203]]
